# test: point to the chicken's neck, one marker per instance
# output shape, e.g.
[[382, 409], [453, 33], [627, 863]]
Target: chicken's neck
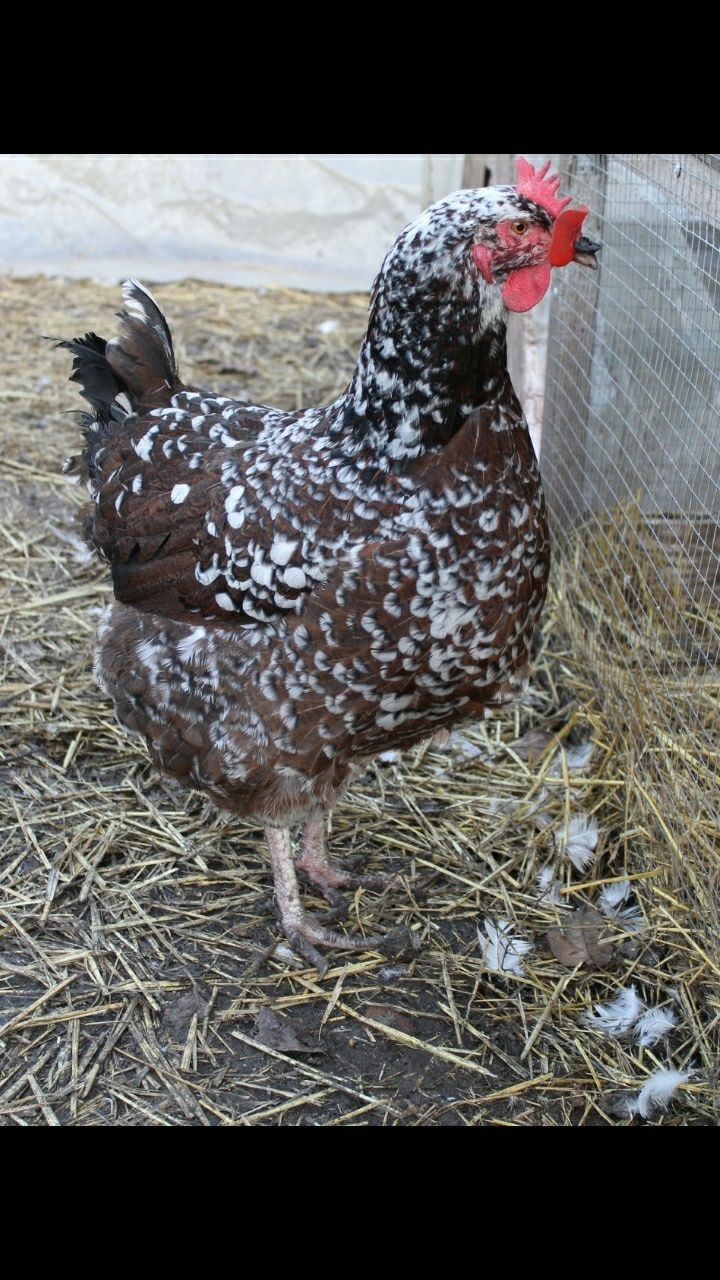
[[421, 371]]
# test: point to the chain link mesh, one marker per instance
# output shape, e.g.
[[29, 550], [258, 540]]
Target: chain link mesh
[[631, 466]]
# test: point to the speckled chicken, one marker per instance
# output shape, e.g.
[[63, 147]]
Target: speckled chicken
[[297, 591]]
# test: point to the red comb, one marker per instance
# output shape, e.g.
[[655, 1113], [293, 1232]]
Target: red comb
[[544, 192], [537, 187]]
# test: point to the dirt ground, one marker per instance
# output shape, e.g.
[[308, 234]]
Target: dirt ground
[[143, 977]]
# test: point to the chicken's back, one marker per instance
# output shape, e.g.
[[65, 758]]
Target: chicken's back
[[423, 619]]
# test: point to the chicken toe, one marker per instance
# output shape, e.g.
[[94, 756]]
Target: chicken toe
[[314, 866], [305, 932]]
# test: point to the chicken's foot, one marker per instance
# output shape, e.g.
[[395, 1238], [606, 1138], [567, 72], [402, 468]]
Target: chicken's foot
[[314, 866], [303, 931]]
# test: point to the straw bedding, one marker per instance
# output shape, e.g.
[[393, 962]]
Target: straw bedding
[[143, 977]]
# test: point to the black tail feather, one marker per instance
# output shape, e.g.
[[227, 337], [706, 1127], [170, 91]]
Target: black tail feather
[[142, 355], [138, 366], [100, 385]]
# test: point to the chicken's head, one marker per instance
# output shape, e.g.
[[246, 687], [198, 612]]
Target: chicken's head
[[526, 230]]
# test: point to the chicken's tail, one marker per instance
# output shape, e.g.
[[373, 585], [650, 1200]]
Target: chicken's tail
[[132, 373], [142, 356], [139, 364]]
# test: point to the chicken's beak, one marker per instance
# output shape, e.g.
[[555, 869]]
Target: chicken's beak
[[585, 251]]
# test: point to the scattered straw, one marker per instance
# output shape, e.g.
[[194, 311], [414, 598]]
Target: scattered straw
[[137, 929]]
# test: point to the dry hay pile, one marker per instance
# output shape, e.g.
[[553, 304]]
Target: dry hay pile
[[143, 977]]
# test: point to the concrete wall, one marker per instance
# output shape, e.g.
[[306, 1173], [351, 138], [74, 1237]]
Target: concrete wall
[[306, 221]]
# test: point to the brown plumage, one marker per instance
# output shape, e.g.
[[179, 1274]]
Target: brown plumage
[[298, 591]]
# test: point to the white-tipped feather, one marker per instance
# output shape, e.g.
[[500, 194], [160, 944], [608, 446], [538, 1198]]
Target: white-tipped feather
[[658, 1091], [618, 1016], [631, 918], [133, 305], [653, 1025], [501, 952], [579, 841]]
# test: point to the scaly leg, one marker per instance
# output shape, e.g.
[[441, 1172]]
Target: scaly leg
[[303, 931], [314, 865]]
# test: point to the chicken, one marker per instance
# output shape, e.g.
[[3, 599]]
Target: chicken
[[297, 591]]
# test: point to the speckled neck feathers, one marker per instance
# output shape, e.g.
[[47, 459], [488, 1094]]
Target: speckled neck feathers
[[435, 350], [421, 372]]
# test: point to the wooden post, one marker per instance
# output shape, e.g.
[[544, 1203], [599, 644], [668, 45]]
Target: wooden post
[[489, 169]]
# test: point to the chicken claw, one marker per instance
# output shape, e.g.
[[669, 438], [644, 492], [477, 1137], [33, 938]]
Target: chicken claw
[[305, 932]]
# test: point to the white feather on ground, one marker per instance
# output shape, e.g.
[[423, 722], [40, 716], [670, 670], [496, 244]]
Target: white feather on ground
[[653, 1025], [658, 1091], [501, 951], [461, 745], [614, 896], [576, 758], [579, 841], [615, 903], [549, 887], [618, 1016], [541, 817], [579, 757]]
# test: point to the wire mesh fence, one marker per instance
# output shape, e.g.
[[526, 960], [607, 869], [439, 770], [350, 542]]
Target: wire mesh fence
[[631, 465]]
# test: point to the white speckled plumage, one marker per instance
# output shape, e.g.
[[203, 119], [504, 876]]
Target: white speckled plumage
[[298, 590]]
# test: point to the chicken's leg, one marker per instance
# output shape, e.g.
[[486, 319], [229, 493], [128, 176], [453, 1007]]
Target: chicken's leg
[[303, 931], [315, 866]]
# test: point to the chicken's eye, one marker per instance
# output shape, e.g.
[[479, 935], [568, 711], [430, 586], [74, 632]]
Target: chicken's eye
[[519, 227]]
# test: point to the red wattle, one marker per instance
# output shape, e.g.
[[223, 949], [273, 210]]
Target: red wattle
[[566, 231], [525, 287], [483, 261]]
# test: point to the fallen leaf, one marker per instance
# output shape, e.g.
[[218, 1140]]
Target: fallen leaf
[[621, 1104], [390, 1018], [278, 1033], [179, 1011], [582, 940], [532, 744]]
